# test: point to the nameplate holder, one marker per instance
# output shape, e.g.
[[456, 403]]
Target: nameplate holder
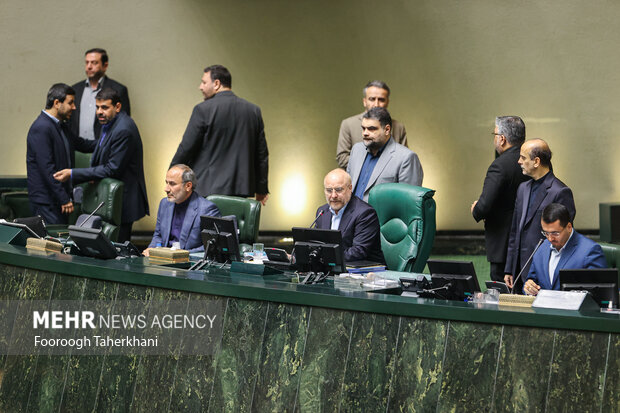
[[565, 300]]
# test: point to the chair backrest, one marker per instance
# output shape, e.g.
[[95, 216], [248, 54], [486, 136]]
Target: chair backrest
[[407, 220], [110, 192], [612, 254], [247, 212]]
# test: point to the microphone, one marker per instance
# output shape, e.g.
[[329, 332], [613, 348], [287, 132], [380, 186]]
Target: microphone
[[514, 283], [321, 212], [92, 213]]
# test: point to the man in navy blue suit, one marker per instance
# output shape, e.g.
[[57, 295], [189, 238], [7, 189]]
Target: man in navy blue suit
[[118, 155], [532, 197], [178, 216], [50, 147], [564, 248], [356, 220]]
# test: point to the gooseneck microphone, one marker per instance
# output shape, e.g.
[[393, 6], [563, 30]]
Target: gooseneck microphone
[[321, 212], [527, 263]]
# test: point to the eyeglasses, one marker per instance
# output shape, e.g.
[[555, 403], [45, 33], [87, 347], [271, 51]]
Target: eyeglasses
[[497, 134], [328, 191], [553, 234]]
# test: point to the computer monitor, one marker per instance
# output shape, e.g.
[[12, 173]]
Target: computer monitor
[[602, 283], [454, 267], [318, 250], [219, 237], [92, 242], [456, 287]]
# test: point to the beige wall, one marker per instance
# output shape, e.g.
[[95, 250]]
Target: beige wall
[[452, 66]]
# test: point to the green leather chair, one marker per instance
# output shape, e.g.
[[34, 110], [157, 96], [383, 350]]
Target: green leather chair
[[14, 204], [110, 192], [247, 212], [407, 220], [612, 254]]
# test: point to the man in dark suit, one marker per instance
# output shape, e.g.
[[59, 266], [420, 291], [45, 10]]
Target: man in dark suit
[[564, 248], [178, 216], [497, 201], [84, 121], [356, 220], [379, 159], [224, 142], [118, 155], [49, 148], [532, 197]]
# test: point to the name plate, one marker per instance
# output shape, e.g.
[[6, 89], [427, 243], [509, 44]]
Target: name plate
[[564, 300]]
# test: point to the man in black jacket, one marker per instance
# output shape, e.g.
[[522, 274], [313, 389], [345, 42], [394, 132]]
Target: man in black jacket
[[497, 201], [224, 142]]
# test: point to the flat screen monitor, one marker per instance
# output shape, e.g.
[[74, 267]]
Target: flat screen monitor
[[456, 287], [219, 237], [455, 268], [92, 242], [602, 283], [318, 250]]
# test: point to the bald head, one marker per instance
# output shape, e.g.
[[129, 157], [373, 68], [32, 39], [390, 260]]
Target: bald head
[[535, 158], [338, 189]]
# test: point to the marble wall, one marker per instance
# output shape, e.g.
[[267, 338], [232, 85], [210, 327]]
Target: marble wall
[[280, 357]]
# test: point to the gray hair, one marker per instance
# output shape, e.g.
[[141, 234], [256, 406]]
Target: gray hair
[[376, 83], [512, 127], [188, 174]]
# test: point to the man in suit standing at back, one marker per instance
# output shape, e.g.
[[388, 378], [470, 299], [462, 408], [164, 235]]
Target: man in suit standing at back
[[118, 155], [224, 142], [84, 121], [379, 159], [532, 198], [50, 147], [497, 201]]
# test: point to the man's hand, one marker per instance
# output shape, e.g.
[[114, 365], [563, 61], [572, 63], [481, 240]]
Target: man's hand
[[63, 175], [473, 206], [531, 288], [508, 280], [146, 252], [262, 198], [67, 208]]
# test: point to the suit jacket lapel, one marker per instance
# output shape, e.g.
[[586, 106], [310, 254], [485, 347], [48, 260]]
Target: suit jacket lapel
[[526, 199], [385, 158], [167, 222], [542, 194], [347, 214], [568, 252], [188, 221]]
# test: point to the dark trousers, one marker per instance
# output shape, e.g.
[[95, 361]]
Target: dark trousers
[[497, 271], [50, 213], [124, 232]]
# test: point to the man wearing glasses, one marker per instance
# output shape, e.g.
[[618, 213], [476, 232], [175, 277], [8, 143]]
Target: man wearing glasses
[[532, 198], [564, 248], [497, 201], [356, 220]]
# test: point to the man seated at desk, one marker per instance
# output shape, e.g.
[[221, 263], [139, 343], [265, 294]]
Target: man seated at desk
[[564, 248], [178, 216], [356, 220]]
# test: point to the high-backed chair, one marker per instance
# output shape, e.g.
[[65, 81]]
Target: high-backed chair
[[247, 212], [407, 220], [110, 192]]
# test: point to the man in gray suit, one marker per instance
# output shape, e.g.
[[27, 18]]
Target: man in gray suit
[[375, 94], [378, 159]]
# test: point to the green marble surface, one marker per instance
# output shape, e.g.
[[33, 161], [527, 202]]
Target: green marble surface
[[279, 369], [324, 361], [371, 360], [419, 365], [577, 371], [277, 356], [469, 367], [237, 362]]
